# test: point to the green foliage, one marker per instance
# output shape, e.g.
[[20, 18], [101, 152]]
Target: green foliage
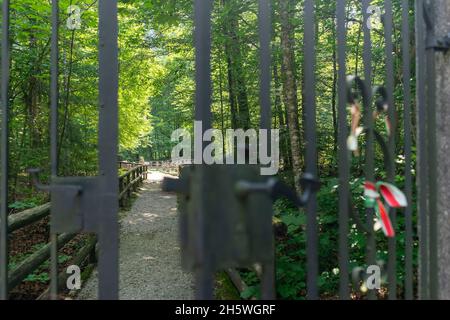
[[157, 96], [250, 292], [62, 258], [78, 83], [291, 251], [41, 273], [22, 205], [42, 277]]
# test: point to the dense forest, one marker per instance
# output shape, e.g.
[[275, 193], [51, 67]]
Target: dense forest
[[156, 97]]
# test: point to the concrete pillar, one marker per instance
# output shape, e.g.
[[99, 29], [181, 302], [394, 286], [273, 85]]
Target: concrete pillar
[[443, 149]]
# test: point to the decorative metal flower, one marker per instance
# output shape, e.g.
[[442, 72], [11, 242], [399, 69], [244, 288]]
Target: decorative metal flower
[[374, 193], [393, 197]]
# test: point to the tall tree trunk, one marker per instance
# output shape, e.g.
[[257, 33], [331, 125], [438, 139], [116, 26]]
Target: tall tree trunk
[[236, 78], [334, 94], [281, 118], [66, 96], [231, 92], [222, 115], [357, 51], [31, 98], [290, 89]]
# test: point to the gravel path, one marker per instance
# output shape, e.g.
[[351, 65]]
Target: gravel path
[[149, 250]]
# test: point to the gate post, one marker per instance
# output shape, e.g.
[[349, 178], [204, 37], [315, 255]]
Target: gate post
[[433, 114], [5, 64], [442, 10]]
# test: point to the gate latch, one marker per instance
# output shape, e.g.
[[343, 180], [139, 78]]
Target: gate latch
[[236, 215], [276, 189], [73, 202]]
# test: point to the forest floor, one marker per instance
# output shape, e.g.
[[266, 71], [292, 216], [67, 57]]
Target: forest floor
[[150, 266]]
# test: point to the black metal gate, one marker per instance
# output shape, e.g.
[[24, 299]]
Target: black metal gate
[[94, 201], [78, 204]]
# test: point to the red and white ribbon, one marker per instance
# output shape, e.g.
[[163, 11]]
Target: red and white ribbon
[[394, 198], [385, 220]]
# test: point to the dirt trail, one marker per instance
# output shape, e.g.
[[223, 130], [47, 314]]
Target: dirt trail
[[149, 250]]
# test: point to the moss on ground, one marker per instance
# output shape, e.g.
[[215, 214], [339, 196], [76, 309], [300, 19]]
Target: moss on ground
[[225, 289]]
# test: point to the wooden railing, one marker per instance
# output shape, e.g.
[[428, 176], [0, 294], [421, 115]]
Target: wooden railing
[[129, 165], [168, 167], [128, 183]]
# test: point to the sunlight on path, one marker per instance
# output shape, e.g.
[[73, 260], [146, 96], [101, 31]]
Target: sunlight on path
[[149, 250], [156, 176]]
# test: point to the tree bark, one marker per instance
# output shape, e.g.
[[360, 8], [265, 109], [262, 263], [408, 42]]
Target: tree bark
[[231, 94], [281, 114], [290, 89], [31, 96], [334, 93], [236, 79], [66, 97]]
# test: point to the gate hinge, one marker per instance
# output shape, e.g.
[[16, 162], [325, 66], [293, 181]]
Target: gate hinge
[[74, 202], [438, 45]]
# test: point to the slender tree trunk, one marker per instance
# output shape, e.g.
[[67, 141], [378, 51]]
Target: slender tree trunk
[[290, 89], [222, 115], [357, 52], [67, 96], [19, 157], [334, 94], [236, 78], [281, 118], [231, 94], [31, 98]]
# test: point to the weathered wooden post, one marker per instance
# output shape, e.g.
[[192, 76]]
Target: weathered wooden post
[[133, 180], [129, 187], [121, 186]]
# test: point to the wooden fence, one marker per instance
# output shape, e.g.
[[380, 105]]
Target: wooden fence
[[128, 183], [168, 167]]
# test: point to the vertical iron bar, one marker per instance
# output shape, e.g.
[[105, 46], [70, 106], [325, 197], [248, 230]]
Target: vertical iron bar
[[268, 279], [422, 155], [4, 249], [431, 151], [392, 242], [54, 97], [203, 92], [370, 151], [311, 147], [344, 170], [406, 57], [54, 87], [108, 142]]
